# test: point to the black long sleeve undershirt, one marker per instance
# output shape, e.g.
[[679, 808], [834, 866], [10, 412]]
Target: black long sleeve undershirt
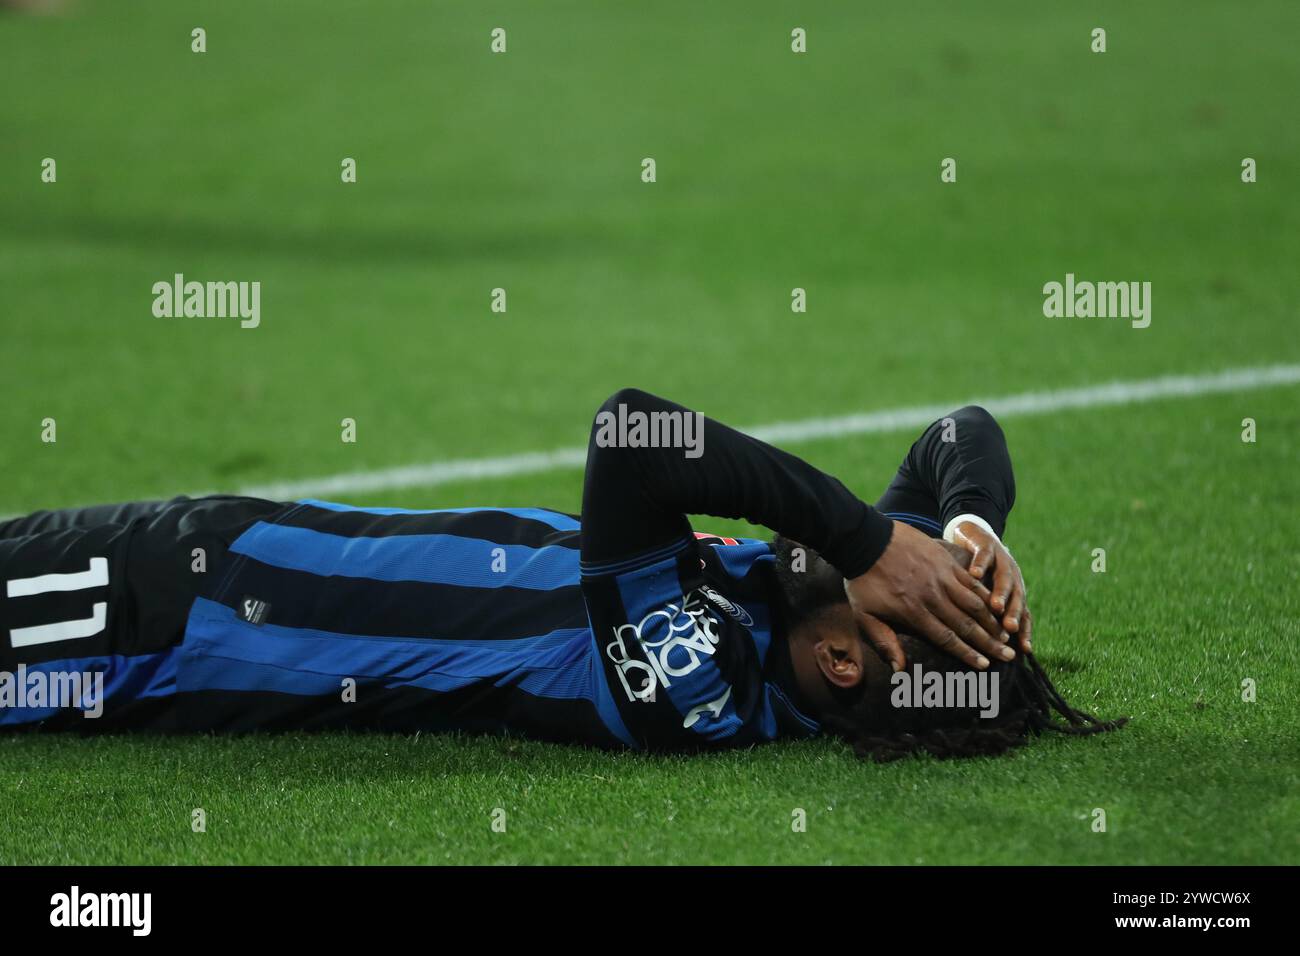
[[964, 468], [635, 500]]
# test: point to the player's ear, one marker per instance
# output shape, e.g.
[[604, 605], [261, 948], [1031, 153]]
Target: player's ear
[[839, 656]]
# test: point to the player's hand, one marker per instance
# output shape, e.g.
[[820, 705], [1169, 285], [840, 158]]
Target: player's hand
[[916, 584], [1008, 595]]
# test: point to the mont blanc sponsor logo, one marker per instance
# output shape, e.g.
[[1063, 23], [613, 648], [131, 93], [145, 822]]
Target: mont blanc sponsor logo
[[676, 639], [734, 611], [1101, 300], [75, 908], [638, 429], [38, 689], [950, 689], [208, 300]]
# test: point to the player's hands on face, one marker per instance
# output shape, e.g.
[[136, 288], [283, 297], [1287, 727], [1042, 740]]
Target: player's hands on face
[[1008, 595], [916, 584]]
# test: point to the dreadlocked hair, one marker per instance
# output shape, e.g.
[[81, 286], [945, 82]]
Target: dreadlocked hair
[[1029, 705], [1028, 702]]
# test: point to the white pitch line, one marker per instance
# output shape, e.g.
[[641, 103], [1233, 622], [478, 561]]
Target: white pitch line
[[793, 432]]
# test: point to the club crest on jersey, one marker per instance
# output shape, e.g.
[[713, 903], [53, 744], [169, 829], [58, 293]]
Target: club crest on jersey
[[676, 639]]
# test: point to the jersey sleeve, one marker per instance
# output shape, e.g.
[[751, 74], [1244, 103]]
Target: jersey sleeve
[[959, 465], [637, 495]]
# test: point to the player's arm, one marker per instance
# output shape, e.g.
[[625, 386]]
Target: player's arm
[[636, 499], [957, 480]]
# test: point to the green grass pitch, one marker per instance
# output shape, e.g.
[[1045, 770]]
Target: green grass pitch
[[775, 171]]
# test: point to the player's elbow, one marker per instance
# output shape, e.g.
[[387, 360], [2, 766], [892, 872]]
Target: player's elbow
[[977, 417], [627, 398]]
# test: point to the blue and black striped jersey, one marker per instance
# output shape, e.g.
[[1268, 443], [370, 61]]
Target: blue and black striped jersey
[[484, 619]]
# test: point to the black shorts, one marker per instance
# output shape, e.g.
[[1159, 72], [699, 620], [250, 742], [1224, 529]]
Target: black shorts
[[87, 586]]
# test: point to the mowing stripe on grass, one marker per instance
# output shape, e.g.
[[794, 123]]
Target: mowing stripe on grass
[[793, 432]]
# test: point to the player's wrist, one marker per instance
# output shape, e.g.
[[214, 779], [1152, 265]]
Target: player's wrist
[[950, 529]]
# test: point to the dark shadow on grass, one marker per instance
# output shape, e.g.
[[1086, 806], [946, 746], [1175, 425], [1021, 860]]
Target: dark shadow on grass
[[342, 241]]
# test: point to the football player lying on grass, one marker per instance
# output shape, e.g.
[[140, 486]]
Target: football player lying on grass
[[623, 629]]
